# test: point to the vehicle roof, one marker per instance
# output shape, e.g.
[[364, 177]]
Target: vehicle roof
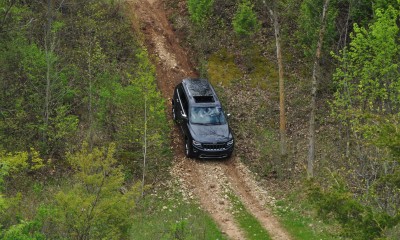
[[200, 91]]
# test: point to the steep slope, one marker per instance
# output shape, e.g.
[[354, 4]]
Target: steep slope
[[208, 181]]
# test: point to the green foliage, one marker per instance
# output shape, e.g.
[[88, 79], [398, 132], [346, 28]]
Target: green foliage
[[200, 10], [29, 229], [166, 214], [262, 72], [367, 81], [12, 13], [222, 69], [92, 56], [245, 22], [12, 163], [383, 4], [24, 68], [297, 216], [26, 230], [97, 205], [361, 12], [100, 79], [123, 110], [388, 136], [367, 103], [357, 220], [309, 22]]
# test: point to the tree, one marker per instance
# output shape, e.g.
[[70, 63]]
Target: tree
[[311, 150], [35, 111], [367, 78], [363, 88], [282, 122], [272, 12], [49, 49], [309, 26], [98, 205], [367, 103], [122, 110]]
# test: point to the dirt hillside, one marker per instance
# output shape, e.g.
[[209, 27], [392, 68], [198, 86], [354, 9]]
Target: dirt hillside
[[207, 181]]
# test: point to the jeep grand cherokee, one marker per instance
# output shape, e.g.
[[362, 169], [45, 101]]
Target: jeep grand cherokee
[[198, 112]]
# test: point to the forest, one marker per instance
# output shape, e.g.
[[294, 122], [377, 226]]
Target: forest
[[74, 81], [313, 87]]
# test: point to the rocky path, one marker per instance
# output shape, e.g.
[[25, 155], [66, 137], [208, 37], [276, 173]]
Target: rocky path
[[208, 181]]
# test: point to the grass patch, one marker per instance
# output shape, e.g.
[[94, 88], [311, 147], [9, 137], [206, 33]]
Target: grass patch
[[170, 217], [263, 74], [222, 68], [247, 222], [300, 224], [225, 68]]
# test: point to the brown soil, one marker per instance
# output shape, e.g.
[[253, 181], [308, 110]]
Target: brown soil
[[207, 181]]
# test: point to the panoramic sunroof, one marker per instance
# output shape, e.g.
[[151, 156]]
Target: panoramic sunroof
[[203, 99]]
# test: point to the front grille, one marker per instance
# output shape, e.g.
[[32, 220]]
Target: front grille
[[213, 156], [214, 147]]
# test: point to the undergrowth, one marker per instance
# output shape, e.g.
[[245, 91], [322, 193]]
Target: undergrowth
[[169, 215], [298, 217]]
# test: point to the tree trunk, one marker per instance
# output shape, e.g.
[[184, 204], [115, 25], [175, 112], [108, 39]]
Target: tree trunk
[[48, 49], [145, 143], [311, 150], [90, 105], [49, 39], [282, 115]]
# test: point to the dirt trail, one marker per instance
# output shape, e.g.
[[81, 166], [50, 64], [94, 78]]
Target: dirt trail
[[208, 181]]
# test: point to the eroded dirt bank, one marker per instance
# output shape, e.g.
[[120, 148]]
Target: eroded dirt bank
[[208, 181]]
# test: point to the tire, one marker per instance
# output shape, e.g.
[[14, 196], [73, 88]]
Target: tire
[[188, 148]]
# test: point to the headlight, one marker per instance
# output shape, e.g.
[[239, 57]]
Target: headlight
[[196, 143], [229, 143]]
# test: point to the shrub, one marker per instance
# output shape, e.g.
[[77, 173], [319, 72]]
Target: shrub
[[200, 10], [98, 205], [245, 21], [357, 220]]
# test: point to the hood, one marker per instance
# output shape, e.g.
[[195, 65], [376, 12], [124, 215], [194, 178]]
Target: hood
[[210, 133]]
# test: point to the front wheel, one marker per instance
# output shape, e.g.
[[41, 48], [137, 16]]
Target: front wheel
[[188, 148]]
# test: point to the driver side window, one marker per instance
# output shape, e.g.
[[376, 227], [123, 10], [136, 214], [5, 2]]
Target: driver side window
[[183, 99]]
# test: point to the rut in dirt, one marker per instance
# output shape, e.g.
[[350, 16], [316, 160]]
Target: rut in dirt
[[209, 181]]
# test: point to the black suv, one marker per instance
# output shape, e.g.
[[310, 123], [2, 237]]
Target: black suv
[[197, 110]]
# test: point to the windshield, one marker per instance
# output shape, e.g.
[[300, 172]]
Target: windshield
[[207, 115]]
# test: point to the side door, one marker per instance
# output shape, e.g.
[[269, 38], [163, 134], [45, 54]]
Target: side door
[[176, 104], [182, 113]]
